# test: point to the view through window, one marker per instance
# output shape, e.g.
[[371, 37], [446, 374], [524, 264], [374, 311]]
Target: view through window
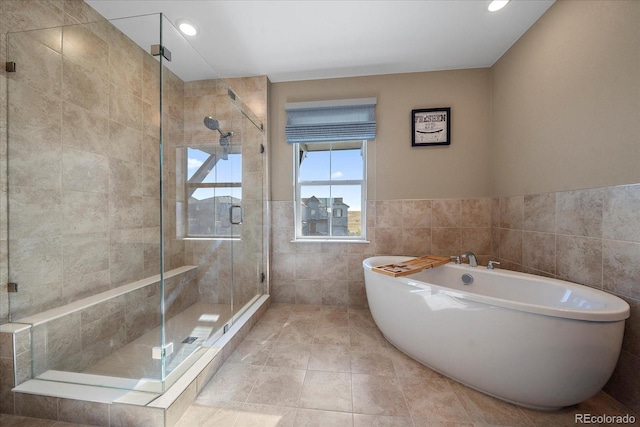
[[214, 187], [330, 190]]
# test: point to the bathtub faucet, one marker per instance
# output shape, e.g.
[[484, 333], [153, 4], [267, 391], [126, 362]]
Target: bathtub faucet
[[473, 262]]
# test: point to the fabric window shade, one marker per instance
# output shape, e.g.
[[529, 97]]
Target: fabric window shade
[[325, 121]]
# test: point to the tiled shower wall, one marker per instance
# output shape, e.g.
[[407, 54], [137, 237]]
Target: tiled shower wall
[[83, 164], [331, 273], [591, 237]]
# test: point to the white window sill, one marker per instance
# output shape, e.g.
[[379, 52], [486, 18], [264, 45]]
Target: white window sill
[[212, 238], [328, 241]]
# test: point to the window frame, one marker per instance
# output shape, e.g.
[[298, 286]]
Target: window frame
[[297, 214]]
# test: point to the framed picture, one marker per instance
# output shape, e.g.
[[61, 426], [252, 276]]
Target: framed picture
[[431, 126]]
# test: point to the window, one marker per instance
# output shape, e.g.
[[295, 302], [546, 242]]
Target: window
[[330, 190], [213, 188], [330, 158]]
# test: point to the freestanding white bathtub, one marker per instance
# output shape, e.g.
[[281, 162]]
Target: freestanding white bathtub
[[536, 342]]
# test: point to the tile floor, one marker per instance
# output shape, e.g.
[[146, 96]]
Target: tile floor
[[328, 366]]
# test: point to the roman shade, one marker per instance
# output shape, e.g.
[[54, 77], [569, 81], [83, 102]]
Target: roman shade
[[338, 120]]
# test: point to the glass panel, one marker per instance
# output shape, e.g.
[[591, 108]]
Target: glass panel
[[190, 155], [346, 164], [84, 205], [98, 188], [209, 212], [215, 165], [347, 200], [248, 245], [212, 216], [315, 201], [314, 165]]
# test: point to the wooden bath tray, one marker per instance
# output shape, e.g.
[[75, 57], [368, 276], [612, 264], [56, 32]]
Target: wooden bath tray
[[411, 266]]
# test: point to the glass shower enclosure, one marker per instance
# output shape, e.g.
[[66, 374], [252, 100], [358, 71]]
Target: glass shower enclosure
[[136, 202]]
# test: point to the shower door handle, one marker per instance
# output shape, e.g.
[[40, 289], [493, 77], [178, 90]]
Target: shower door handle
[[235, 214]]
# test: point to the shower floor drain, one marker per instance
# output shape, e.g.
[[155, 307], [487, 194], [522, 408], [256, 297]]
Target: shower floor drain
[[189, 340]]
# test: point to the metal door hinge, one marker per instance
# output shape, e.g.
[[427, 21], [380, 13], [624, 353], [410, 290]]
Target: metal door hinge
[[12, 287], [263, 277], [261, 148], [160, 352], [157, 50]]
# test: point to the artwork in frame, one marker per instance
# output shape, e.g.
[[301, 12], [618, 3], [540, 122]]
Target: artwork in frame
[[431, 126]]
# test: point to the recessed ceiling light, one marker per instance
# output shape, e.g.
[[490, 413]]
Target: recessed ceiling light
[[496, 5], [186, 27]]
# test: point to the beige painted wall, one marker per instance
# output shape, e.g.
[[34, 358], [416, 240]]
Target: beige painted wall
[[395, 169], [566, 101]]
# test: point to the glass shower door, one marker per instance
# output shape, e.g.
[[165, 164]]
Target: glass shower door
[[248, 243]]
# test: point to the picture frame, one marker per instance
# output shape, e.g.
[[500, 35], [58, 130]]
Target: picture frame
[[431, 126]]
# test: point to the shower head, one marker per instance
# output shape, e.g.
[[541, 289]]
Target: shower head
[[213, 124]]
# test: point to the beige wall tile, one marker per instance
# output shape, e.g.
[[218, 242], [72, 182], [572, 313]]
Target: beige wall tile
[[84, 130], [79, 412], [476, 240], [44, 70], [621, 216], [579, 213], [84, 171], [83, 47], [33, 15], [624, 381], [85, 212], [539, 251], [579, 259], [121, 415], [6, 384], [512, 212], [511, 245], [540, 212], [415, 241], [445, 213], [621, 267], [445, 241], [389, 214], [82, 88], [35, 212], [631, 341], [335, 292], [124, 107], [30, 405], [416, 213], [475, 213]]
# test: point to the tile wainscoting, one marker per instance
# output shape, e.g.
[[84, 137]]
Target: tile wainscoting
[[590, 236], [331, 273]]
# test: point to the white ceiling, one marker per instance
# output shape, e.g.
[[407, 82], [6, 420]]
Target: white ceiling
[[315, 39]]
